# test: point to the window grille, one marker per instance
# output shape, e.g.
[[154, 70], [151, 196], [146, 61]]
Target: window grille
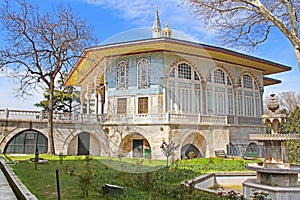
[[184, 71], [219, 76], [122, 106], [247, 81], [143, 105]]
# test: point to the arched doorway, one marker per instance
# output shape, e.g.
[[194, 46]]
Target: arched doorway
[[27, 142], [83, 147], [135, 145], [194, 142], [84, 143], [252, 147], [187, 149]]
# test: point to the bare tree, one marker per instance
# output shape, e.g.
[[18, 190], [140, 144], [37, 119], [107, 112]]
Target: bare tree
[[39, 46], [168, 150], [289, 100], [247, 23]]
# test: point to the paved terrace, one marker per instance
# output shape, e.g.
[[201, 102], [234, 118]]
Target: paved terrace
[[166, 118]]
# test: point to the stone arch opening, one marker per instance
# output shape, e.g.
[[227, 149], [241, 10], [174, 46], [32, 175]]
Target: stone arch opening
[[27, 142], [184, 90], [135, 145], [194, 142], [187, 149], [84, 143], [252, 147]]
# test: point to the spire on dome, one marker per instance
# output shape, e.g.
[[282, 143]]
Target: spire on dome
[[156, 29]]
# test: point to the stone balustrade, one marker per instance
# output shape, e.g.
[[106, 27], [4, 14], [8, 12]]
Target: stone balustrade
[[276, 137], [166, 118]]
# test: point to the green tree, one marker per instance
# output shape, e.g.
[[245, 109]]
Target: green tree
[[66, 98], [39, 45], [292, 126]]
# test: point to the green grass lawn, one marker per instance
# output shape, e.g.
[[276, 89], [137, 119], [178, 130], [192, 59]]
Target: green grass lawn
[[141, 179]]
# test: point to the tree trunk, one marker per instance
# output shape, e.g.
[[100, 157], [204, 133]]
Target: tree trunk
[[71, 100], [297, 52], [51, 150]]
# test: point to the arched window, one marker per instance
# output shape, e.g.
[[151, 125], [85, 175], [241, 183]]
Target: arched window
[[184, 89], [122, 75], [248, 97], [143, 73], [219, 94]]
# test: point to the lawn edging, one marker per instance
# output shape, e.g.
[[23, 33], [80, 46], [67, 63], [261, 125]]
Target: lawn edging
[[16, 184]]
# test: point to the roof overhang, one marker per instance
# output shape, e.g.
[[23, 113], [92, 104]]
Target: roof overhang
[[91, 56], [270, 81]]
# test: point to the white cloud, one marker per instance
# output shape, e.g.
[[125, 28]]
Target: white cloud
[[9, 99], [126, 9], [141, 13]]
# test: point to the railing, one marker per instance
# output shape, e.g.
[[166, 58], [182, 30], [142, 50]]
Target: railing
[[165, 118], [211, 119], [249, 120], [19, 114]]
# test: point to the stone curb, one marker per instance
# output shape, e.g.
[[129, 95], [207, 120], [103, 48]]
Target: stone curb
[[16, 184]]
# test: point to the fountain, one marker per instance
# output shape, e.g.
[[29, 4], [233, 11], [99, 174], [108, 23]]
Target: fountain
[[275, 175]]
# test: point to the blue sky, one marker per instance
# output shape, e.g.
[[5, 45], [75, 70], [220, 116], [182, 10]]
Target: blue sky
[[111, 17]]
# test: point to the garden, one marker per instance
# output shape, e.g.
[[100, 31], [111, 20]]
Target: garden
[[84, 176]]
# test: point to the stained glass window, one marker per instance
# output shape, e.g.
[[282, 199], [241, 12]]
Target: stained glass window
[[143, 73], [122, 75]]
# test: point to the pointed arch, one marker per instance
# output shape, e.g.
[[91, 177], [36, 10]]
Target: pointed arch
[[122, 75], [249, 99], [184, 92], [226, 71], [194, 142], [143, 67], [83, 143], [219, 92], [135, 145], [182, 60], [253, 76]]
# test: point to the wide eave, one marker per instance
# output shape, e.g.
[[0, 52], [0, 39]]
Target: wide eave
[[87, 61]]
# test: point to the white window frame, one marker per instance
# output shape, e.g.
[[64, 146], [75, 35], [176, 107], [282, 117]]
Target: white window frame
[[249, 100], [184, 92], [219, 93]]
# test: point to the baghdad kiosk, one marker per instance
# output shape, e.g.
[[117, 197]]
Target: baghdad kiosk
[[144, 92], [275, 177]]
